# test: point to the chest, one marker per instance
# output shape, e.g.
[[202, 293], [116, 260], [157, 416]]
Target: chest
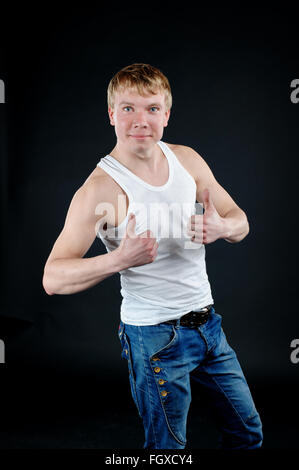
[[119, 201]]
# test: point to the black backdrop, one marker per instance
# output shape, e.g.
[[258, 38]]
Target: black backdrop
[[230, 73]]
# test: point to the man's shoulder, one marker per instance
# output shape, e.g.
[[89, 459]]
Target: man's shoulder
[[178, 147], [189, 157], [100, 187], [98, 177], [184, 151]]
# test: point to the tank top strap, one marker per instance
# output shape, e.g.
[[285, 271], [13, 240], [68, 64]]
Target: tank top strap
[[116, 171]]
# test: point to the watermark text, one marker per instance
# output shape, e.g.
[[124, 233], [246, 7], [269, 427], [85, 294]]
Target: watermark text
[[2, 351], [164, 220], [295, 353], [2, 91], [295, 93]]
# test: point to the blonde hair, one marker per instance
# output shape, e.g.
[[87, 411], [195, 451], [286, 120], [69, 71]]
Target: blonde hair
[[143, 77]]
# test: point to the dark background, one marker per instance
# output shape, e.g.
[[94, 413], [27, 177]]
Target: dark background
[[64, 384]]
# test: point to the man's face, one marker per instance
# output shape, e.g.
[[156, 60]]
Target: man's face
[[139, 120]]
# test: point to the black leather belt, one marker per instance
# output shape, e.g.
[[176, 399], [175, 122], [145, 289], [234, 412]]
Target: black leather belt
[[193, 319]]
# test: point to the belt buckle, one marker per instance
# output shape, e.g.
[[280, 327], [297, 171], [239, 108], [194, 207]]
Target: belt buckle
[[194, 322], [203, 310], [194, 319]]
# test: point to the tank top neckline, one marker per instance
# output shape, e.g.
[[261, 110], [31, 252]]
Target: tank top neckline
[[166, 151]]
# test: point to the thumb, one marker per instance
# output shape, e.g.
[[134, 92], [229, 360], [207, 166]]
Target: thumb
[[207, 199], [130, 229]]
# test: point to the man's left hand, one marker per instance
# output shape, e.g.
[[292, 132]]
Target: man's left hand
[[208, 227]]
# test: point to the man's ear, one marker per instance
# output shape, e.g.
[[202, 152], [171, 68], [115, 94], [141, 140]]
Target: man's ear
[[167, 114], [111, 115]]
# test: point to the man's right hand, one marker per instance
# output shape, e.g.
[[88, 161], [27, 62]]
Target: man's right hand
[[136, 250]]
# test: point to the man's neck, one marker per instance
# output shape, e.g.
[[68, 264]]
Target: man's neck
[[140, 160]]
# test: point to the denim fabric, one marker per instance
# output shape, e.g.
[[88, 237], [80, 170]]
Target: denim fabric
[[162, 359]]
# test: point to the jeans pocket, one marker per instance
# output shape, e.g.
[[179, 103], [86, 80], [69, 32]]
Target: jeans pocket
[[165, 338], [126, 354]]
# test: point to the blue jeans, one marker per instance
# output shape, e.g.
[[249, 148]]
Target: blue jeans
[[162, 358]]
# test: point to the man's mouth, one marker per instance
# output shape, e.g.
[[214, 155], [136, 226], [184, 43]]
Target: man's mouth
[[139, 136]]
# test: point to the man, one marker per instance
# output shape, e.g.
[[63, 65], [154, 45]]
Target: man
[[169, 329]]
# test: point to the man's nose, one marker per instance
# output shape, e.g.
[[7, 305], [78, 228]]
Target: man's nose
[[140, 119]]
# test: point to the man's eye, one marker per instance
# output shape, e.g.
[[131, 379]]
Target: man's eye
[[154, 109], [127, 108]]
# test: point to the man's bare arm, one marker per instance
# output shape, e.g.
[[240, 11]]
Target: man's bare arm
[[66, 271], [68, 276], [236, 226], [223, 218]]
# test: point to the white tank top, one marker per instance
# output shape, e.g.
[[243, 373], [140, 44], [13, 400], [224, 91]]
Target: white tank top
[[176, 281]]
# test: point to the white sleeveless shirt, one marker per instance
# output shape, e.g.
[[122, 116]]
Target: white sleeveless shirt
[[176, 281]]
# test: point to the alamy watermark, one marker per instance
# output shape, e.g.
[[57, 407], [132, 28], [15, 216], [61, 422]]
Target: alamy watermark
[[295, 353], [2, 351], [2, 91], [164, 220], [295, 93]]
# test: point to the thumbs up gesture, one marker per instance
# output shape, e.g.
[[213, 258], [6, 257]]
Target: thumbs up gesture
[[208, 227], [136, 250]]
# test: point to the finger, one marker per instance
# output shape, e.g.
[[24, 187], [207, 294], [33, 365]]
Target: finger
[[206, 197], [195, 220], [191, 233], [198, 228], [197, 240], [155, 248], [147, 234], [131, 225]]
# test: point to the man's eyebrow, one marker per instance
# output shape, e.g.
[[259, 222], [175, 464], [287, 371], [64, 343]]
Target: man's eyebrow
[[132, 104]]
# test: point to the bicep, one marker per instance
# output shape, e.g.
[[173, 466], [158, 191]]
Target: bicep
[[79, 231]]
